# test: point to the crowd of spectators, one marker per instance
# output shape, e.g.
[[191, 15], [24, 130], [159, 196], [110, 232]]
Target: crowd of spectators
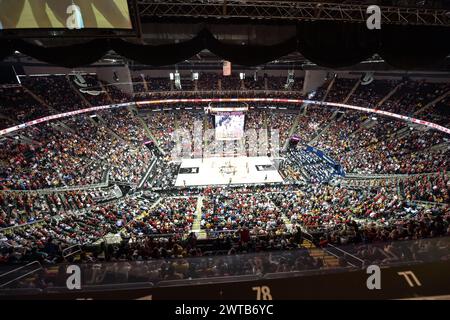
[[411, 96], [124, 156], [438, 113], [54, 158], [218, 94], [74, 153], [431, 188], [408, 155], [157, 84], [126, 125], [139, 84], [18, 106], [312, 122], [283, 122], [211, 81], [370, 95], [171, 216], [341, 89], [56, 91], [114, 93], [301, 165], [342, 216], [243, 220], [18, 208], [55, 151], [335, 139], [161, 125], [323, 208], [230, 210], [368, 145], [82, 150]]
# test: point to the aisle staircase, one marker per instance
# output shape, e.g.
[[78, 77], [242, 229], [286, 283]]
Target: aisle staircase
[[389, 94], [330, 86], [331, 120], [144, 214], [108, 96], [352, 91], [293, 129], [367, 122], [149, 132], [329, 260], [144, 82], [432, 103], [110, 131], [62, 127], [40, 100], [201, 234]]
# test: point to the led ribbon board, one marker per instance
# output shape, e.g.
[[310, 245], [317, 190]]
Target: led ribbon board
[[207, 100]]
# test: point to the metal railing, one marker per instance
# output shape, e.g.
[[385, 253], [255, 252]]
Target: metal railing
[[147, 174], [25, 225], [105, 183], [429, 203], [62, 189], [334, 251], [103, 275], [392, 176], [70, 251], [351, 259], [27, 273]]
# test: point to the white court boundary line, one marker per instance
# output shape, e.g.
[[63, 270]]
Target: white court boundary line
[[207, 100]]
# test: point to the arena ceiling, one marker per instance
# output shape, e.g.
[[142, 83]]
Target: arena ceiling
[[266, 23], [417, 12]]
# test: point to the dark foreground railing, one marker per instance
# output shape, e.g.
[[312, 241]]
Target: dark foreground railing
[[227, 270]]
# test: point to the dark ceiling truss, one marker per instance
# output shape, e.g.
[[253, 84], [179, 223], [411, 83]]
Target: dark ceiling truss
[[288, 10]]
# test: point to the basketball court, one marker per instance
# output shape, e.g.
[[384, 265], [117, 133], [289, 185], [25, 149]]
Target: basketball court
[[227, 170]]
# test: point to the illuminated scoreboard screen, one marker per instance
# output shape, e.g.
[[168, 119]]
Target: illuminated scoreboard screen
[[50, 14], [229, 125], [67, 17]]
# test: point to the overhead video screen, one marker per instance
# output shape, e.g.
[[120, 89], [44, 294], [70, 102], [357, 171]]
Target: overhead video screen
[[64, 14], [230, 126]]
